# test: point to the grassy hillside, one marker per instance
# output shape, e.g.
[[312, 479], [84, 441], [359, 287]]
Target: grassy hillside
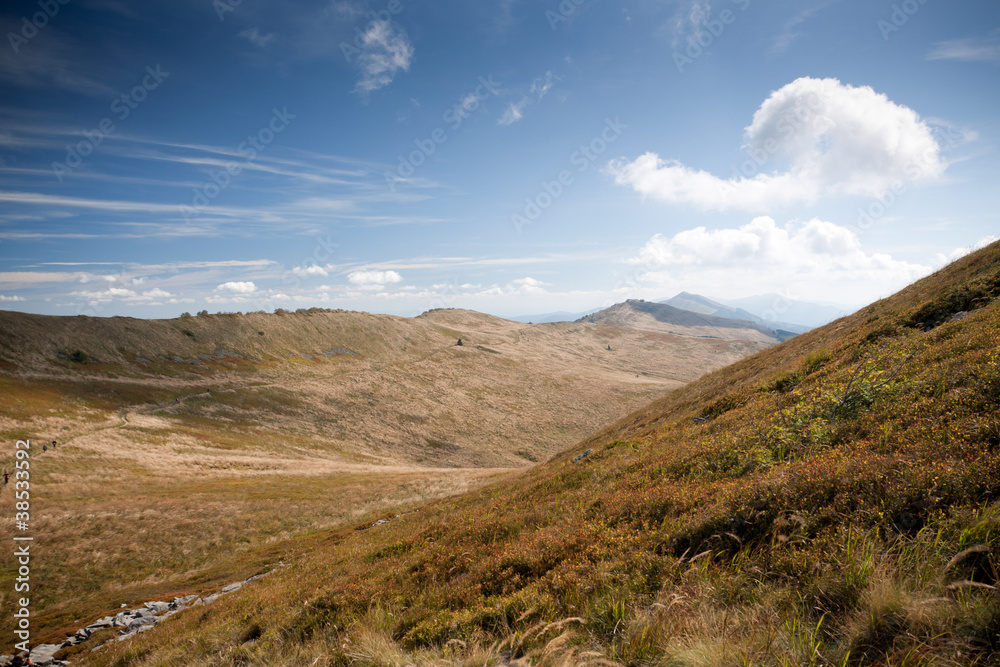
[[832, 500], [190, 450]]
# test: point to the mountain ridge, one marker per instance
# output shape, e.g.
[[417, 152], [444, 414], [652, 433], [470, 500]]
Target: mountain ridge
[[705, 306], [653, 316]]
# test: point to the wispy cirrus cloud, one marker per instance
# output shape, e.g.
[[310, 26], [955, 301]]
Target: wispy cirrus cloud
[[790, 29], [539, 88], [385, 51], [970, 49], [57, 61], [254, 36]]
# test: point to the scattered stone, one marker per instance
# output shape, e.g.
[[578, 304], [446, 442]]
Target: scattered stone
[[101, 623], [132, 622], [340, 352], [141, 621], [43, 653]]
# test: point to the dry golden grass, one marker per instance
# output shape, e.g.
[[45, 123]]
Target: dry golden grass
[[174, 477], [812, 505]]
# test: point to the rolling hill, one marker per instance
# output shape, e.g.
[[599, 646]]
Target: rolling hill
[[659, 317], [828, 501], [379, 389]]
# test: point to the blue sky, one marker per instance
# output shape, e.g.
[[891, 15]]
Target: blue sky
[[513, 157]]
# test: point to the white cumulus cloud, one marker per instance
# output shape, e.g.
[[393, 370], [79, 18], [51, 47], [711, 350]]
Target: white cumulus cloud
[[4, 297], [959, 253], [311, 270], [237, 287], [818, 259], [374, 277], [811, 139]]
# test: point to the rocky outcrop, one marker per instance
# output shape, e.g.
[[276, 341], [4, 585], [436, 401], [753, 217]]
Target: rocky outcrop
[[129, 622]]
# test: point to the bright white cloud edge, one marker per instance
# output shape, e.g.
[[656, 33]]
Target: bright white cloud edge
[[811, 139]]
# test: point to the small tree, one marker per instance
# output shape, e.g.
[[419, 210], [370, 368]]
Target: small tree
[[202, 313], [185, 314]]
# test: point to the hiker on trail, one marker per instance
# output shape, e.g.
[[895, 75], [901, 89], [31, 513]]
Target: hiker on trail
[[53, 444], [45, 448], [6, 475]]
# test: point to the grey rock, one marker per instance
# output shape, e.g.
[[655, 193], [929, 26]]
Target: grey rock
[[581, 457], [157, 607], [958, 317], [232, 588], [43, 653], [186, 600], [139, 622], [101, 623], [211, 598]]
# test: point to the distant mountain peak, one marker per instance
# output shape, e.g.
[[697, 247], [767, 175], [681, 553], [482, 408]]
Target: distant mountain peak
[[662, 317]]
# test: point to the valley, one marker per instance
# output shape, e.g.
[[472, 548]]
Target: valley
[[196, 450]]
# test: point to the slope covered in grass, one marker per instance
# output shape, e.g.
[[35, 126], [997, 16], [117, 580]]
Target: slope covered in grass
[[828, 501]]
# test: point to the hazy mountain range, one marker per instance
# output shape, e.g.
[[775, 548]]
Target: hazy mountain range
[[770, 310]]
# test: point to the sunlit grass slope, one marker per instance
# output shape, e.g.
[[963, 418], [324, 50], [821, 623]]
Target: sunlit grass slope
[[832, 500]]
